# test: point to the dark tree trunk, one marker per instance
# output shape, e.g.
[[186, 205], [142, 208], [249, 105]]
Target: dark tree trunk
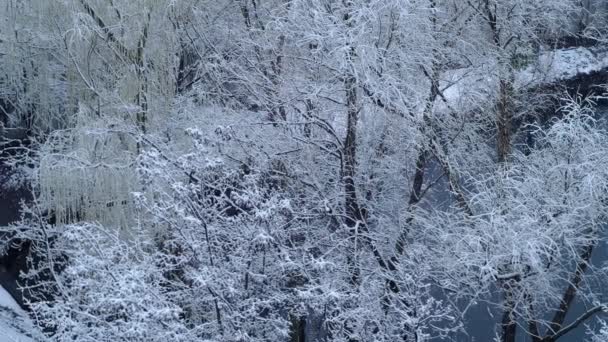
[[509, 321], [503, 121], [298, 329], [566, 302]]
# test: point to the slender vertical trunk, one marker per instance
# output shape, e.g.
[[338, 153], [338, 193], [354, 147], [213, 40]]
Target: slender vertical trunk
[[503, 143], [352, 211], [298, 329], [533, 330], [278, 111], [142, 99], [503, 120], [350, 146], [503, 150], [308, 116], [353, 217], [509, 322]]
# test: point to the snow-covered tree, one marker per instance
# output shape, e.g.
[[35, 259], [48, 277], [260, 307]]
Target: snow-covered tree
[[277, 170]]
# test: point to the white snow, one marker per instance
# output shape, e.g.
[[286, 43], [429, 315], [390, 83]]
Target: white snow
[[465, 88], [561, 64], [15, 325], [7, 301]]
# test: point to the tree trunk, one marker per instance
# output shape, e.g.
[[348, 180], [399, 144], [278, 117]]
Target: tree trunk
[[298, 329], [503, 121], [509, 321], [565, 304], [352, 211]]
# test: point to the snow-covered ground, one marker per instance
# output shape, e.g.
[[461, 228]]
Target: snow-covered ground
[[465, 89], [562, 64], [15, 325]]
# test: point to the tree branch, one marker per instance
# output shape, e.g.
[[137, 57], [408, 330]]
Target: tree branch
[[109, 35], [568, 298], [576, 323]]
